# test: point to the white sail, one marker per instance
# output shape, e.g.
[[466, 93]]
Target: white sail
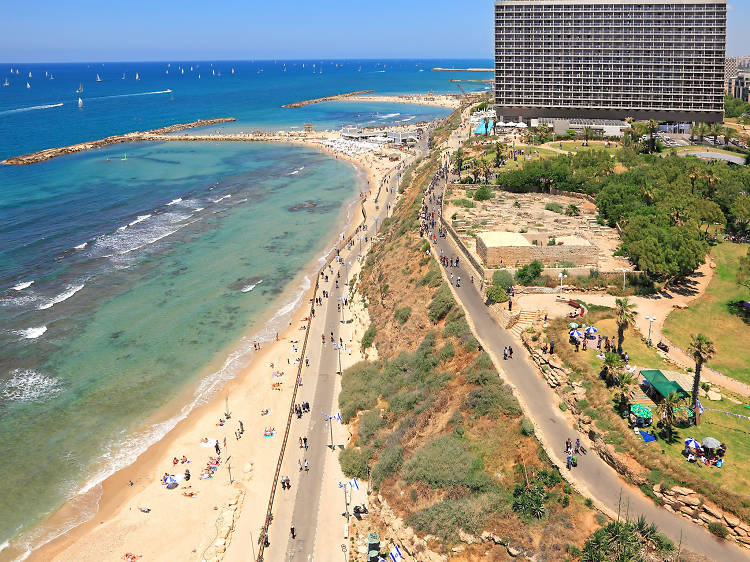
[[28, 85], [6, 83], [137, 76], [80, 103], [98, 78], [232, 70], [80, 88], [29, 74], [123, 76]]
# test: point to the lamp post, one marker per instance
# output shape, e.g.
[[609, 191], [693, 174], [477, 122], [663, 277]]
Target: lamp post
[[561, 276], [650, 321], [624, 271]]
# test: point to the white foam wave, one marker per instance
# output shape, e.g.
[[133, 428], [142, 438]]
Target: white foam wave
[[388, 116], [81, 246], [22, 286], [31, 108], [32, 333], [295, 172], [69, 292], [29, 386], [250, 287], [140, 218], [220, 199], [407, 119], [174, 201]]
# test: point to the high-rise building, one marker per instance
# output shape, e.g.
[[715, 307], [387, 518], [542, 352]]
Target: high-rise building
[[610, 59]]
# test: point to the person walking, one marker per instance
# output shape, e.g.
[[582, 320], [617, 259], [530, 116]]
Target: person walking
[[304, 440], [510, 352], [307, 466], [216, 446], [505, 353], [570, 459], [292, 531]]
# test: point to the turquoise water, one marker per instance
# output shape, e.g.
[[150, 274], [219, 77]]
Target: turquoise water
[[132, 273]]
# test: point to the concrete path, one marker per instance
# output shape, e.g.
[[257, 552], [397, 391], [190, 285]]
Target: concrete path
[[593, 477]]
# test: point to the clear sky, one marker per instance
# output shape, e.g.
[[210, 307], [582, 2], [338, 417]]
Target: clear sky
[[88, 30]]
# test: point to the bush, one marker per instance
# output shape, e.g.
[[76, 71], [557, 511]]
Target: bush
[[503, 278], [527, 428], [389, 463], [496, 293], [530, 501], [446, 462], [484, 193], [441, 304], [402, 315], [445, 518], [530, 274], [434, 277], [718, 529], [492, 398], [359, 389], [369, 337], [354, 462], [554, 207], [369, 424], [447, 352], [465, 203]]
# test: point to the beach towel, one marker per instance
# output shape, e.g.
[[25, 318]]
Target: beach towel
[[647, 437], [211, 443]]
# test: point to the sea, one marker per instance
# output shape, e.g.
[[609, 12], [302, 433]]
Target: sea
[[137, 274]]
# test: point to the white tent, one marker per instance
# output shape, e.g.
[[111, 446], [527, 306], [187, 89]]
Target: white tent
[[522, 125]]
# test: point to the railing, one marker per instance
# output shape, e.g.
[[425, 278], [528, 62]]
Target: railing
[[267, 522]]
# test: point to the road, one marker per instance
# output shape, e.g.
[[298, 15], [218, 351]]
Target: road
[[592, 477]]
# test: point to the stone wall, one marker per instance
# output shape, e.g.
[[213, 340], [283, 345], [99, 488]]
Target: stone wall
[[513, 256]]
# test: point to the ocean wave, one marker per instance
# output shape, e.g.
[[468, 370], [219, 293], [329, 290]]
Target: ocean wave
[[31, 108], [220, 199], [81, 246], [22, 286], [140, 218], [407, 119], [69, 292], [295, 172], [248, 288], [138, 234], [388, 116], [29, 386], [174, 201], [32, 333]]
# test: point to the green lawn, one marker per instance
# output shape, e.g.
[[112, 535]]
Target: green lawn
[[704, 149], [711, 314], [574, 146]]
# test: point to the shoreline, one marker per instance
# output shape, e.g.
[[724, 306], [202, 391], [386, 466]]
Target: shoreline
[[114, 492]]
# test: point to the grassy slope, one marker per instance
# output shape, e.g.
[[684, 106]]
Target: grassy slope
[[710, 314]]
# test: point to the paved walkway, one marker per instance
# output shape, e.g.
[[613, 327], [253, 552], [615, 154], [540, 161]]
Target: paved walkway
[[593, 477]]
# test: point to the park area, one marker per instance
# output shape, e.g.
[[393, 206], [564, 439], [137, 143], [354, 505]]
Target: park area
[[726, 419], [718, 314]]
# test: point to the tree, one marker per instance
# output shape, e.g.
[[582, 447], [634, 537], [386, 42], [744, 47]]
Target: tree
[[652, 126], [741, 211], [497, 154], [475, 169], [701, 131], [612, 367], [711, 180], [486, 122], [729, 134], [625, 317], [701, 350], [529, 273], [484, 169], [588, 133], [572, 210], [494, 127], [496, 293], [458, 158], [665, 411], [743, 272], [716, 130]]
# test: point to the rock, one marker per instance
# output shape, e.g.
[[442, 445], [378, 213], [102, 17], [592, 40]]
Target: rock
[[489, 537], [513, 550], [466, 537], [687, 510], [691, 500], [247, 468], [458, 549], [668, 507], [220, 542], [224, 531], [707, 518], [682, 491], [584, 419], [657, 488], [713, 510], [744, 540], [731, 520], [713, 395]]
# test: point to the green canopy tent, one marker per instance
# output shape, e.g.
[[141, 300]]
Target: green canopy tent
[[662, 384]]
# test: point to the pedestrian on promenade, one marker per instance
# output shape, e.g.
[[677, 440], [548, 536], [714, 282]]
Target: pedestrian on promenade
[[304, 440], [570, 459], [552, 347], [505, 353], [307, 466], [568, 445], [510, 352], [299, 463], [578, 446], [216, 446], [291, 530]]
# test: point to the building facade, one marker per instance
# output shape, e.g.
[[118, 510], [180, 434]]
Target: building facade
[[739, 86], [610, 59]]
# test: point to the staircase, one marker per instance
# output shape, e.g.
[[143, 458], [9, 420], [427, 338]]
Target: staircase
[[525, 320]]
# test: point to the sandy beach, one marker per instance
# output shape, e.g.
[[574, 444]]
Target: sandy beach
[[148, 520]]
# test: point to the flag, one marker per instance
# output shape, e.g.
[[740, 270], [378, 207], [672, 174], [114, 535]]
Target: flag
[[353, 483], [395, 554], [700, 408]]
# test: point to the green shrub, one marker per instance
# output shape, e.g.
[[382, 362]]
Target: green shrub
[[456, 325], [369, 423], [434, 277], [718, 529], [446, 462], [527, 428], [445, 518], [359, 389], [406, 399], [465, 203], [529, 274], [503, 278], [530, 500], [447, 351], [492, 399], [554, 207], [563, 406], [389, 463], [354, 462], [496, 294], [369, 337], [402, 315], [441, 304], [484, 193], [589, 503]]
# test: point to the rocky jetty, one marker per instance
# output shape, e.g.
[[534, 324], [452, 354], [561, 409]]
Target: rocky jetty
[[328, 98], [137, 136]]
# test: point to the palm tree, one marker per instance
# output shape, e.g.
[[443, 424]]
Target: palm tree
[[702, 131], [588, 132], [486, 122], [625, 318], [497, 155], [494, 127], [711, 180], [647, 193], [458, 158], [652, 126], [627, 382], [665, 411], [692, 176], [475, 171], [702, 350], [612, 366], [729, 134], [693, 132], [716, 130], [483, 168]]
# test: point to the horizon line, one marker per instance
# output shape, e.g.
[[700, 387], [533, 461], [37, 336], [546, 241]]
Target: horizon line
[[319, 59]]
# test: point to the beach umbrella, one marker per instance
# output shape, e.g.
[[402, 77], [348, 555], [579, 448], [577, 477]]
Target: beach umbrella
[[640, 410], [711, 443], [591, 330], [573, 325], [575, 333], [171, 482], [691, 443], [522, 125]]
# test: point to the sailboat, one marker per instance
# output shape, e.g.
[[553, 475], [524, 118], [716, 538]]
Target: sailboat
[[125, 157], [137, 77], [80, 103], [123, 76], [28, 85], [6, 83], [232, 70], [191, 69], [98, 78], [29, 74], [51, 77], [182, 71], [80, 88]]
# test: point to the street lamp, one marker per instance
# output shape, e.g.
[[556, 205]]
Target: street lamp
[[561, 276], [650, 321], [624, 271]]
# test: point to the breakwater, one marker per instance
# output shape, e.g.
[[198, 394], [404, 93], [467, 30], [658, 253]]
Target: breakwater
[[327, 98], [136, 136]]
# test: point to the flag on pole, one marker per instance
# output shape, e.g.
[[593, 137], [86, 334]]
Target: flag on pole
[[395, 554], [700, 408], [353, 483]]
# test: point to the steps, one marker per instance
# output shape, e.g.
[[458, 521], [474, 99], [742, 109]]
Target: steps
[[525, 320]]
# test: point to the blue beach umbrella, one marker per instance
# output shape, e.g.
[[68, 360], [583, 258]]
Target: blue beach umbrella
[[591, 330], [575, 333], [691, 443], [573, 325]]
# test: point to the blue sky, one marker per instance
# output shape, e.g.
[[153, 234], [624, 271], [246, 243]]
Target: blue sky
[[87, 30]]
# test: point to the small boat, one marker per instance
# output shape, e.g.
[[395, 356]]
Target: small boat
[[182, 71], [123, 76], [191, 69], [51, 77], [98, 78], [29, 74], [166, 71], [80, 88], [125, 157], [80, 103], [28, 85], [137, 77], [213, 72], [46, 73], [6, 83]]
